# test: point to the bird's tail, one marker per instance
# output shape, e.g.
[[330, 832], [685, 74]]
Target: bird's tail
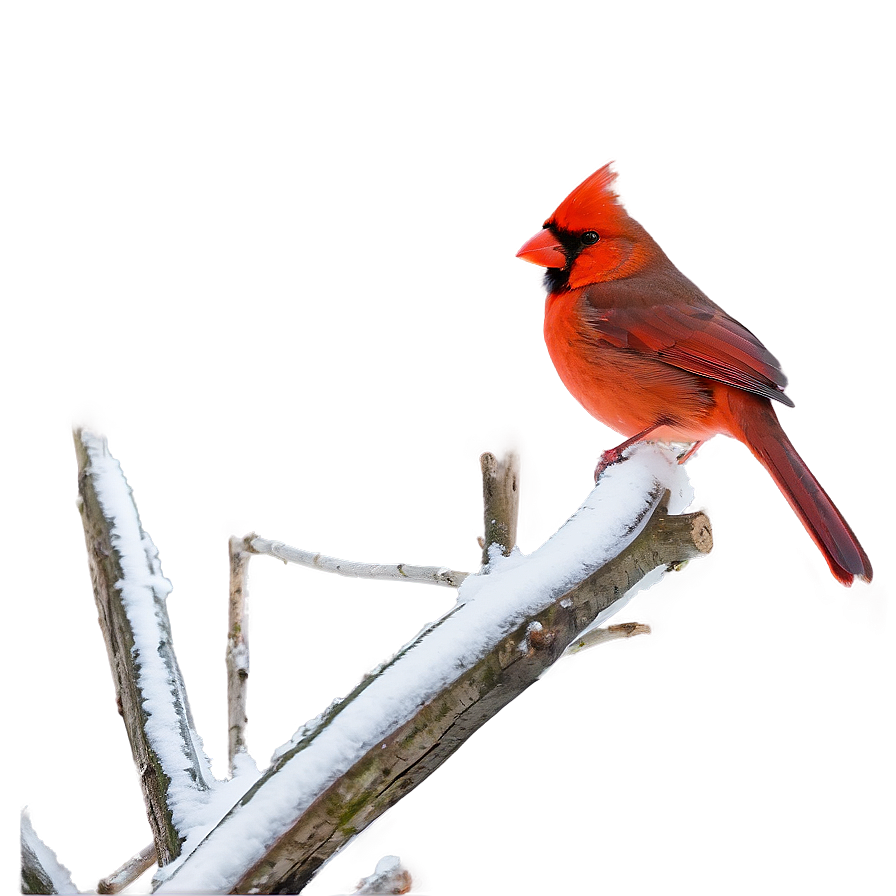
[[756, 425]]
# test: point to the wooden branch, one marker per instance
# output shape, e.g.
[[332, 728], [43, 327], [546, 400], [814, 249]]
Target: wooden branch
[[611, 633], [42, 871], [501, 501], [353, 762], [129, 872], [237, 650], [130, 594], [399, 572], [418, 747], [396, 756]]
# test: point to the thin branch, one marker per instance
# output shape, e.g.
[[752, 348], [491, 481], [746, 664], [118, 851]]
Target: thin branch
[[42, 872], [129, 872], [399, 572], [131, 593], [501, 501], [237, 649], [611, 633], [353, 762]]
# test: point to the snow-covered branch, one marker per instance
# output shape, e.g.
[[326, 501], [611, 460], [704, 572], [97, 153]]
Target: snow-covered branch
[[127, 873], [271, 833], [131, 593], [345, 768], [42, 872]]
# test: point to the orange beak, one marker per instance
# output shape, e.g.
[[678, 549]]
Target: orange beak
[[543, 249]]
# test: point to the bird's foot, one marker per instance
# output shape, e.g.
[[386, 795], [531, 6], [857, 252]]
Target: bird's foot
[[608, 458], [689, 453], [617, 454]]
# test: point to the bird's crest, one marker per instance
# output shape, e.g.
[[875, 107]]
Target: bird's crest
[[591, 203]]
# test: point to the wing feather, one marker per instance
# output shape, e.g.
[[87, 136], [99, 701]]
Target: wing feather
[[697, 337]]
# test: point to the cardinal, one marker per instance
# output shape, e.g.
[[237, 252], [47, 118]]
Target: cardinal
[[648, 354]]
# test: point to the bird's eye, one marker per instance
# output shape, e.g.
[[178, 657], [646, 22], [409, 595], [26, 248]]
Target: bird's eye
[[590, 237]]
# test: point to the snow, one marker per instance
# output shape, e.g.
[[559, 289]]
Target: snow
[[59, 875], [387, 877], [240, 657], [387, 865], [525, 644], [144, 591], [220, 798], [489, 605]]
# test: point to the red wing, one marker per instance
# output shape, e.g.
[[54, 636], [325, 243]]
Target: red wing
[[702, 340]]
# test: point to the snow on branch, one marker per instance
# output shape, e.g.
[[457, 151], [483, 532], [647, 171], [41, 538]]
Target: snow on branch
[[131, 593], [346, 767], [42, 872], [127, 873], [388, 877]]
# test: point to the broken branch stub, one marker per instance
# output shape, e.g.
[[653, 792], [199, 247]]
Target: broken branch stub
[[501, 501]]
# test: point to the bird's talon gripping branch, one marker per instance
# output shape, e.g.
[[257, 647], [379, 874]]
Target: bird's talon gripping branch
[[607, 459], [689, 453]]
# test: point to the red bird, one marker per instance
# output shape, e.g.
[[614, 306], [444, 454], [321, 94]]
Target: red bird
[[648, 354]]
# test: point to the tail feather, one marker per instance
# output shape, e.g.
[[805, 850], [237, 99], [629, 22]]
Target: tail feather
[[760, 431]]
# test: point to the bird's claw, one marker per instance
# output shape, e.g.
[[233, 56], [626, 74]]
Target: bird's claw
[[607, 459]]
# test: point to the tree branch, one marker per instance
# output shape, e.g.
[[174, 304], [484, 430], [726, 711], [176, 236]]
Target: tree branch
[[130, 593], [596, 636], [237, 650], [129, 872], [363, 754], [501, 501], [399, 572], [42, 872]]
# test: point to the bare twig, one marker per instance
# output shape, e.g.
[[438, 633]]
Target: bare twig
[[610, 633], [399, 572], [129, 872], [130, 594], [42, 872], [237, 649], [501, 501]]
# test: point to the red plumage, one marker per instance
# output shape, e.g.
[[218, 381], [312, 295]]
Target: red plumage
[[648, 354]]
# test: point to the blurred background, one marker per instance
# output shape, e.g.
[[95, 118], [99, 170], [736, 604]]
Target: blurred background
[[268, 251]]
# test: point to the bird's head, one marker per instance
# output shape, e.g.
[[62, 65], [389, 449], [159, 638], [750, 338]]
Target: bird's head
[[589, 239]]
